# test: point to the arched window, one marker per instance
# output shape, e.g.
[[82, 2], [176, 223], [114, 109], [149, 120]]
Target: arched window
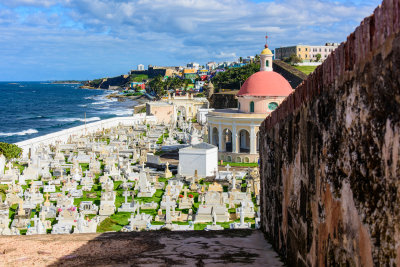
[[251, 106], [267, 63]]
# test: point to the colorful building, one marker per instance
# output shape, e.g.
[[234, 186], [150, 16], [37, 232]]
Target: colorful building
[[305, 52], [135, 85]]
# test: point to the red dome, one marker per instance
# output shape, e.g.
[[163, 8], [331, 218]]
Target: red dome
[[265, 83]]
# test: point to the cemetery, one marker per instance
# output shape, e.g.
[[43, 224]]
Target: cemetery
[[140, 177]]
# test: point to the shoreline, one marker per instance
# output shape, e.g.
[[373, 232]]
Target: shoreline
[[141, 99], [127, 105]]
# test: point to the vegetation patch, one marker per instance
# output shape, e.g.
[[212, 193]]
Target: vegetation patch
[[10, 151], [237, 164], [306, 69]]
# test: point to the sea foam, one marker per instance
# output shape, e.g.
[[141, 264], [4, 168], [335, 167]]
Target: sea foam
[[119, 112], [79, 119], [30, 131]]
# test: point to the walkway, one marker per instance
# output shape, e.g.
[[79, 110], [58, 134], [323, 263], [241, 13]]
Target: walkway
[[162, 248]]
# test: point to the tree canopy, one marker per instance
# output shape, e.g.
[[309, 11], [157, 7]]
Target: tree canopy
[[10, 150], [293, 59], [159, 86], [233, 78]]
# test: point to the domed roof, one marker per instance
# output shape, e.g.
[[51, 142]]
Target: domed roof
[[266, 51], [265, 83]]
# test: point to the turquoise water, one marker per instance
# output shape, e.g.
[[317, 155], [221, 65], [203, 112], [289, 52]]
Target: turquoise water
[[31, 109]]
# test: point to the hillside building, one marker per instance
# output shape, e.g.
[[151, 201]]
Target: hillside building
[[305, 52]]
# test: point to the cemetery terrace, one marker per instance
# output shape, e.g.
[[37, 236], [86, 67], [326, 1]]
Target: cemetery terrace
[[117, 179]]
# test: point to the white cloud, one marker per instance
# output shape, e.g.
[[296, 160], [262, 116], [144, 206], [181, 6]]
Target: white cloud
[[167, 32], [226, 55]]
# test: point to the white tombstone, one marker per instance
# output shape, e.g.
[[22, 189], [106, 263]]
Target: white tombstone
[[2, 164]]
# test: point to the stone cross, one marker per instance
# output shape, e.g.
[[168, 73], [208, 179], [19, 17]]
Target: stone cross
[[167, 164], [185, 192], [228, 167], [126, 194]]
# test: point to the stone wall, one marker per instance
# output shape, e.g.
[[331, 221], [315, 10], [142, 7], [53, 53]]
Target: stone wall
[[115, 81], [330, 155], [290, 73], [224, 100]]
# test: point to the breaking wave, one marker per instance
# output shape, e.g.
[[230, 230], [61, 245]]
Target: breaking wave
[[30, 131]]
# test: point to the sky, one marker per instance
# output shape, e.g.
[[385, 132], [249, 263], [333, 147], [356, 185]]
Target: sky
[[87, 39]]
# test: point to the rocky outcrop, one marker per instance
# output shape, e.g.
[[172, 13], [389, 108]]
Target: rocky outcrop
[[330, 155]]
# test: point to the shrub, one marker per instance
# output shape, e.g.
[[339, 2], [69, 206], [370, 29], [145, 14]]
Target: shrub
[[10, 150]]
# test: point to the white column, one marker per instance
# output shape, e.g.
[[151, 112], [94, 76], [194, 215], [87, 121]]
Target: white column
[[209, 135], [253, 142], [234, 139], [219, 137]]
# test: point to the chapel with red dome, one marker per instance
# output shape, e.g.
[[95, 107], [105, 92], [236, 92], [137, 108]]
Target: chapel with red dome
[[263, 91], [235, 131]]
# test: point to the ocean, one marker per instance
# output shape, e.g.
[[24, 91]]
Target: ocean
[[31, 109]]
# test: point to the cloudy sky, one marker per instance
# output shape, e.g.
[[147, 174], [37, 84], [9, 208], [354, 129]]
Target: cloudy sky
[[86, 39]]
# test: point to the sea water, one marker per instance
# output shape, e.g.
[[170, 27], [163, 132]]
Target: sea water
[[31, 109]]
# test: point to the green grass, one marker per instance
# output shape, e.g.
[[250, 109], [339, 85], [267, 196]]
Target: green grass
[[114, 223], [156, 197], [3, 188], [84, 166], [162, 179], [157, 223], [96, 188], [200, 226], [138, 77], [77, 201], [19, 166], [151, 212], [160, 139], [226, 225], [305, 69], [237, 164]]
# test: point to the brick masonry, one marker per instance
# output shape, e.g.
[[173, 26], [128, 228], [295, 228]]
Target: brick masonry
[[330, 155]]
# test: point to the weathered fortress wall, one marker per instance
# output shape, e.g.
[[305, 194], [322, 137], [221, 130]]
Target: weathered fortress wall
[[330, 155], [290, 73]]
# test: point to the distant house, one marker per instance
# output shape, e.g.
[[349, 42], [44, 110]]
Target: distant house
[[211, 65], [199, 85], [142, 85], [193, 65]]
